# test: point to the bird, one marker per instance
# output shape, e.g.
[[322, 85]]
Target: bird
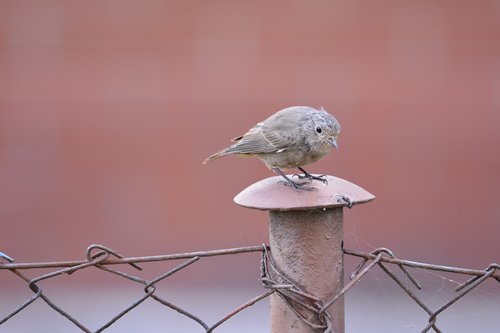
[[291, 138]]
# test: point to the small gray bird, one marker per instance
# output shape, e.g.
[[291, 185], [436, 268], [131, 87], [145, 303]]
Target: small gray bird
[[290, 138]]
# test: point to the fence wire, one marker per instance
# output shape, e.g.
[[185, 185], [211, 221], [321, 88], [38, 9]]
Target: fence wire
[[311, 309]]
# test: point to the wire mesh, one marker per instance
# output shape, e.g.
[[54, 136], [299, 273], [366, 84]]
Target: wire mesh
[[308, 307]]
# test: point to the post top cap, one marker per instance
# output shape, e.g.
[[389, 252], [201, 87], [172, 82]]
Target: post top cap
[[268, 194]]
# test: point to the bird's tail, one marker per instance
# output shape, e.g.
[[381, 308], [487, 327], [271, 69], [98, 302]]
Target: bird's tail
[[220, 153]]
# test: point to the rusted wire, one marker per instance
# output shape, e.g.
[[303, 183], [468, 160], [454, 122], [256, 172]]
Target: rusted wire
[[464, 289], [101, 257], [415, 264], [308, 307], [118, 261], [305, 305]]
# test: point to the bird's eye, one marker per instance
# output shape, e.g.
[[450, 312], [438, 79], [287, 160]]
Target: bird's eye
[[318, 129]]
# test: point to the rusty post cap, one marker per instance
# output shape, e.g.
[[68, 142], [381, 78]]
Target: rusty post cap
[[268, 194]]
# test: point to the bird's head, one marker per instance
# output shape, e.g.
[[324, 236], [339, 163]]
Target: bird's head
[[326, 128]]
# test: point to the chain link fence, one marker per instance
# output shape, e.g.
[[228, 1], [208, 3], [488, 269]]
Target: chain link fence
[[273, 280]]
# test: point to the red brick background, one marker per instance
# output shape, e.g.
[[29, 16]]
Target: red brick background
[[107, 110]]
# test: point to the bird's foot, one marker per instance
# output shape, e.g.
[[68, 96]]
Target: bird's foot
[[344, 199], [308, 176], [297, 186], [288, 182]]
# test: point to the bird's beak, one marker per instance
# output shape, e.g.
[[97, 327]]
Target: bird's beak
[[333, 142]]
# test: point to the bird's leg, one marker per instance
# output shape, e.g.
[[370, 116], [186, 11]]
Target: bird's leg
[[307, 175], [289, 182]]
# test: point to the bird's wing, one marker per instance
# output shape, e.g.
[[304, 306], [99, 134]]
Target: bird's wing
[[277, 133], [252, 142], [284, 130]]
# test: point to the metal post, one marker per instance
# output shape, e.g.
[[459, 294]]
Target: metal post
[[305, 236]]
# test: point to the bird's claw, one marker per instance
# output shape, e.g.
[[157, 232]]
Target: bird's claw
[[297, 186], [308, 176], [321, 178]]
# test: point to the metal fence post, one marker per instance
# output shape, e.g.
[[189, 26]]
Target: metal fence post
[[306, 238]]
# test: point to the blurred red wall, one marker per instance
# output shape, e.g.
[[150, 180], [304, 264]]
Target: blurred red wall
[[108, 108]]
